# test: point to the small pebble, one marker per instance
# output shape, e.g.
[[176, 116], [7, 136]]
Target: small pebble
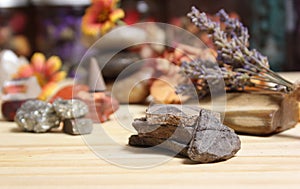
[[79, 126], [70, 109]]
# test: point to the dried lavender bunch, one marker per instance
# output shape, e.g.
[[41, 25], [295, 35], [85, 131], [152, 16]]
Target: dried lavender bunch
[[240, 66], [200, 71]]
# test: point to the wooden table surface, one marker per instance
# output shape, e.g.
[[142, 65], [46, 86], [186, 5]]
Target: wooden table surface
[[57, 160]]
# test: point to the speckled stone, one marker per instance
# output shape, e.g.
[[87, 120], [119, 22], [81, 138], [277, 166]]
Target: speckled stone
[[37, 116], [70, 109]]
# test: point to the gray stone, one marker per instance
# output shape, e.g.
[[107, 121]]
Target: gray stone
[[79, 126], [212, 141], [178, 115], [207, 140], [171, 145], [37, 116], [70, 109], [176, 133]]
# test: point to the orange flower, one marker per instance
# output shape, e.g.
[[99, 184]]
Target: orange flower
[[47, 72], [47, 90], [101, 17]]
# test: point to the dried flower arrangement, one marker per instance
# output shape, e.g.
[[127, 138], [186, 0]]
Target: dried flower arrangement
[[241, 67]]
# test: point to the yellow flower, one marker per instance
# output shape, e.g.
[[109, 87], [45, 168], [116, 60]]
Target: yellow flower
[[101, 17], [47, 91], [46, 71]]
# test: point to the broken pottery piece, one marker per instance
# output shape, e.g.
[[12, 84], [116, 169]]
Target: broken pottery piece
[[69, 109], [79, 126], [37, 116], [212, 141]]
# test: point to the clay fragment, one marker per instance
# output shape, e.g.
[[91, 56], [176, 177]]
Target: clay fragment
[[79, 126]]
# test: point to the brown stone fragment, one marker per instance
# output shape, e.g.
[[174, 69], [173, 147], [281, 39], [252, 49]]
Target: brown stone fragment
[[171, 145], [179, 115], [207, 140], [212, 141], [176, 133]]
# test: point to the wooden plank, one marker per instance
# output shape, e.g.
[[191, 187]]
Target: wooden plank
[[57, 160]]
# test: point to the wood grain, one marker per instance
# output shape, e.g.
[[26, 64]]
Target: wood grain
[[57, 160]]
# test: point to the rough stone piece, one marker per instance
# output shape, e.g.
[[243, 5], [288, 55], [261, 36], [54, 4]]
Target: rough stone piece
[[212, 141], [144, 141], [208, 140], [176, 133], [179, 115], [79, 126], [70, 109], [37, 116], [101, 105]]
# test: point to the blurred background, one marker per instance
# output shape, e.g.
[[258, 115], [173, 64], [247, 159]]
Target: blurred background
[[53, 27]]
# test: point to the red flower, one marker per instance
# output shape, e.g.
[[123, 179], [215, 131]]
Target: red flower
[[101, 17]]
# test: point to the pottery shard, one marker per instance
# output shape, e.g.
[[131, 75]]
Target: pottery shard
[[211, 140]]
